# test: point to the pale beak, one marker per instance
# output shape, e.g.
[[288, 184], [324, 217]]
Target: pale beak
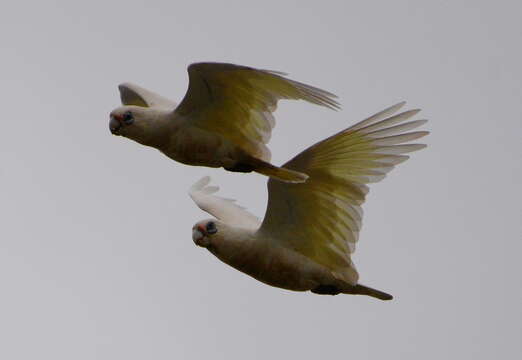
[[114, 124], [197, 237]]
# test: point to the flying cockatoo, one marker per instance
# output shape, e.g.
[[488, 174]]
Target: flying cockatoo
[[310, 229], [224, 120]]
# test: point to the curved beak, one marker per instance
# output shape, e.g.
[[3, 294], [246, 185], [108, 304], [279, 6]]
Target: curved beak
[[115, 124], [197, 236]]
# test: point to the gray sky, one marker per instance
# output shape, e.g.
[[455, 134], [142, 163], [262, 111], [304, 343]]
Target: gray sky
[[96, 256]]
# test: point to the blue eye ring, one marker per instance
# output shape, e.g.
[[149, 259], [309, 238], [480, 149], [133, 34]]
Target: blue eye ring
[[128, 118], [211, 228]]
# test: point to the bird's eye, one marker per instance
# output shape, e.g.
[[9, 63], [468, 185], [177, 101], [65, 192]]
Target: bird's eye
[[128, 118], [211, 228]]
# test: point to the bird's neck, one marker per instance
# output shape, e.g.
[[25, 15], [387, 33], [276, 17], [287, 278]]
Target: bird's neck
[[157, 131], [236, 247]]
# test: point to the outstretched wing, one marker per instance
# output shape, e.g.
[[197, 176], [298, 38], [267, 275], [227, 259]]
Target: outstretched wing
[[222, 209], [321, 218], [132, 94], [237, 102]]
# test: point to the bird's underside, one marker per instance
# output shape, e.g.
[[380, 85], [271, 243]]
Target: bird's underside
[[284, 268], [197, 147]]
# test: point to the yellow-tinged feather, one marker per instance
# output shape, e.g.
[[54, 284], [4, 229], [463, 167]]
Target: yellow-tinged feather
[[237, 102], [322, 217]]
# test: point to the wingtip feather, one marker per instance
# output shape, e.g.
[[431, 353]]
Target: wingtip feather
[[200, 184]]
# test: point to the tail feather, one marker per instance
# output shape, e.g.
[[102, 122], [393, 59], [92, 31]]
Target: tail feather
[[275, 172], [365, 290]]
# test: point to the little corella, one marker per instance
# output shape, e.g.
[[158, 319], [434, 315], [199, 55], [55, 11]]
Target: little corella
[[224, 120], [309, 231]]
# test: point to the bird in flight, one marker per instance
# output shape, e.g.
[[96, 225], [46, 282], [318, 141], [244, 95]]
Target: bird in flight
[[310, 229], [224, 120]]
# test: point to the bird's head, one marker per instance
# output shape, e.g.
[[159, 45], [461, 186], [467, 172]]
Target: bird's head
[[206, 233], [141, 124]]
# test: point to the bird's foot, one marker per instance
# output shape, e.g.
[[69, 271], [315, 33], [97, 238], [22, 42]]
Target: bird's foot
[[326, 290], [241, 167]]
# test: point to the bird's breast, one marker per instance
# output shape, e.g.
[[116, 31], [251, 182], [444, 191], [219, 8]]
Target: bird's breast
[[197, 147], [277, 266]]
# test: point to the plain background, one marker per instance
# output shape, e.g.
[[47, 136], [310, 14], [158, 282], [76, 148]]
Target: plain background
[[96, 256]]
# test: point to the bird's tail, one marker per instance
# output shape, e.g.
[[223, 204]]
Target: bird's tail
[[275, 172], [365, 290]]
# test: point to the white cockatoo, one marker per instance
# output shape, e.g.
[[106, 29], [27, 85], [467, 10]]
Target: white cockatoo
[[224, 120], [310, 229]]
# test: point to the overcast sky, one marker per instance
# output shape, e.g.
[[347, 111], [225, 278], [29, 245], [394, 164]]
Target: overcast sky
[[96, 255]]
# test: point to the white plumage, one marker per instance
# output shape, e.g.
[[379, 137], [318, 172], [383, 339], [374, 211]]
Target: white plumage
[[310, 229], [224, 120]]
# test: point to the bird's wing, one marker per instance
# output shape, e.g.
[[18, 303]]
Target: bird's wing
[[222, 209], [321, 218], [132, 94], [237, 102]]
